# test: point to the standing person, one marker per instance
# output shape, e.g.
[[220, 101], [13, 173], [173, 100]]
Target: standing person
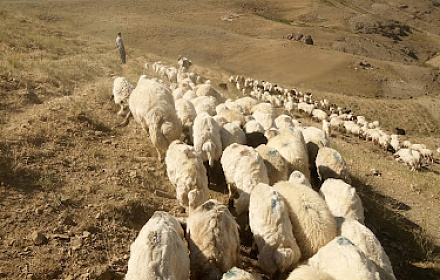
[[120, 46]]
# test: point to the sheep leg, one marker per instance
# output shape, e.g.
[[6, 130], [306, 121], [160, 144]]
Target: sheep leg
[[121, 112], [233, 193]]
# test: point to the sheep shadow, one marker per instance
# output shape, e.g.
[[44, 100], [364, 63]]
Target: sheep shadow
[[404, 241], [14, 176]]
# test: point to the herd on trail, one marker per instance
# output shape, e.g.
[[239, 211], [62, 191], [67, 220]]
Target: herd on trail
[[268, 160]]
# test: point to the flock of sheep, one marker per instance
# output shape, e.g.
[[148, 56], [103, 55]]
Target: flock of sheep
[[268, 160]]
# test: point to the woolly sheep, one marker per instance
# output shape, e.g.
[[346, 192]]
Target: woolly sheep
[[427, 154], [163, 257], [342, 251], [283, 122], [265, 107], [186, 113], [187, 173], [418, 147], [408, 157], [315, 139], [327, 129], [236, 273], [205, 104], [265, 119], [171, 74], [330, 164], [231, 115], [276, 165], [220, 120], [368, 243], [152, 106], [306, 272], [208, 90], [189, 95], [246, 103], [213, 240], [342, 199], [306, 108], [406, 144], [395, 144], [232, 133], [270, 224], [121, 92], [206, 138], [319, 115], [253, 126], [244, 168], [312, 222], [291, 145], [298, 177], [184, 62], [178, 93], [270, 133]]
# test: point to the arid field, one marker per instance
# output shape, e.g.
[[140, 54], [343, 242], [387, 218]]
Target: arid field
[[74, 191]]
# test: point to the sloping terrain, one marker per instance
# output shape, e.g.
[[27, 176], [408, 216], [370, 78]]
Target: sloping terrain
[[66, 174]]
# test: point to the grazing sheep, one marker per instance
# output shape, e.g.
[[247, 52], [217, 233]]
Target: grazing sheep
[[171, 74], [368, 243], [417, 147], [158, 251], [232, 133], [152, 105], [298, 177], [276, 165], [306, 272], [236, 273], [291, 145], [231, 115], [206, 138], [342, 200], [408, 157], [270, 224], [207, 90], [319, 115], [244, 168], [330, 164], [406, 144], [213, 240], [312, 222], [339, 251], [187, 173], [395, 144], [306, 108], [427, 154], [121, 92]]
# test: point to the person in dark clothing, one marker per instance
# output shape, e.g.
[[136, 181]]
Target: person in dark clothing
[[120, 46]]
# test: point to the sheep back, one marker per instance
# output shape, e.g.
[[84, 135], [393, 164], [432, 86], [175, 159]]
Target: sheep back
[[331, 164], [277, 167], [312, 222], [270, 224], [158, 251], [213, 240]]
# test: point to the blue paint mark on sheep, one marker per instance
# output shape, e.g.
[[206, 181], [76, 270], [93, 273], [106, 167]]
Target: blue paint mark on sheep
[[337, 157], [292, 128], [273, 204], [272, 153], [344, 241]]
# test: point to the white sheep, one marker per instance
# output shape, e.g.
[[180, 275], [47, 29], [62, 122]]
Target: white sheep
[[327, 128], [253, 126], [121, 92], [178, 93], [207, 90], [189, 95], [291, 145], [417, 147], [306, 272], [339, 251], [236, 273], [213, 241], [159, 251], [205, 104], [246, 103], [408, 157], [306, 108], [319, 115], [272, 230], [368, 243], [187, 173], [184, 62], [315, 139], [277, 167], [312, 222], [232, 133], [331, 164], [231, 115], [206, 138], [265, 107], [220, 120], [284, 122], [395, 143], [244, 168], [152, 105], [342, 200], [406, 144], [427, 154], [267, 120], [186, 113], [298, 177]]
